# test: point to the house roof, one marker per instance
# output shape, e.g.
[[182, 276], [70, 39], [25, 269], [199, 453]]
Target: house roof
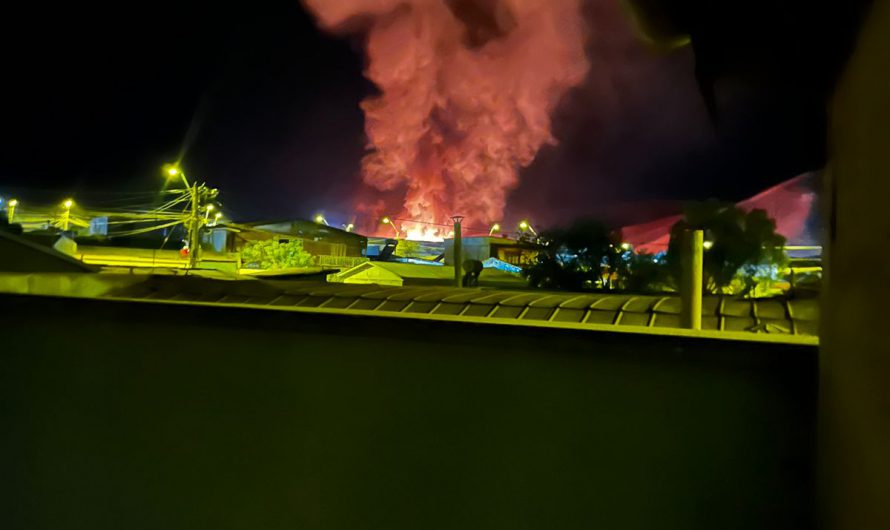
[[781, 318], [411, 271], [18, 254], [299, 227]]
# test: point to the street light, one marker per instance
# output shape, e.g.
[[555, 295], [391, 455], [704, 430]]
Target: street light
[[173, 170], [319, 219], [388, 221], [194, 219], [626, 246], [494, 228], [349, 227], [524, 225], [708, 245], [10, 209], [66, 217]]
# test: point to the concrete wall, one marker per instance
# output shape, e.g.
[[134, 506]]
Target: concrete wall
[[855, 385], [139, 415]]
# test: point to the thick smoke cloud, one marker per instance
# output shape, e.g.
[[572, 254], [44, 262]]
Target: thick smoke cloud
[[467, 92]]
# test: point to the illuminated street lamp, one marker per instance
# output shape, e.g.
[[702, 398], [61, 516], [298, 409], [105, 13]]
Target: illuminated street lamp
[[194, 220], [349, 228], [207, 211], [10, 209], [172, 171], [319, 219], [66, 216], [388, 221], [494, 228], [524, 225], [626, 246], [708, 245]]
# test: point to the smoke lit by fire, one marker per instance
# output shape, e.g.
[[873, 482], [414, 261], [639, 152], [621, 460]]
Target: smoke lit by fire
[[467, 88]]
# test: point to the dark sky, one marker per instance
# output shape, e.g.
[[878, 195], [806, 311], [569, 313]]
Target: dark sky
[[96, 97]]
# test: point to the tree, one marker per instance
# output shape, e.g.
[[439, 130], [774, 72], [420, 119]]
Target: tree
[[272, 254], [407, 248], [647, 273], [743, 248], [587, 255]]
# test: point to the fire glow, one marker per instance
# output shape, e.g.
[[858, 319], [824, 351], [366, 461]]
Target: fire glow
[[467, 89]]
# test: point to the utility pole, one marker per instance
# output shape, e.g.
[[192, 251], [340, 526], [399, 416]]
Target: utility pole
[[692, 279], [458, 251], [194, 229]]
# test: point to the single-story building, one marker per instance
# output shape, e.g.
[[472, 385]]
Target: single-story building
[[331, 245], [399, 274], [518, 253]]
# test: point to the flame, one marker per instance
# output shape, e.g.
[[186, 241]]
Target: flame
[[467, 88], [418, 232]]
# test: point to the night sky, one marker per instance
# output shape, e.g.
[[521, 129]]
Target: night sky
[[265, 107]]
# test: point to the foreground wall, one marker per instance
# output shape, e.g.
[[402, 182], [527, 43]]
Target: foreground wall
[[140, 415], [855, 384]]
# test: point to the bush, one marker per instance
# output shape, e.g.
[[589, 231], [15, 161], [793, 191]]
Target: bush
[[274, 255]]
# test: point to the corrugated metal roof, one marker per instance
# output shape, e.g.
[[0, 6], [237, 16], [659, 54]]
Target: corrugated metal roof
[[411, 271], [782, 316], [798, 317]]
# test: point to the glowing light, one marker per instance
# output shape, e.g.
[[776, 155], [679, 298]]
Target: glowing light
[[388, 221], [349, 228], [319, 219], [210, 207], [68, 204], [626, 246], [708, 245], [524, 225], [494, 228], [171, 170], [218, 216], [13, 203]]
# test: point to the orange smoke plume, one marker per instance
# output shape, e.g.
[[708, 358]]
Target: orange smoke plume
[[467, 88]]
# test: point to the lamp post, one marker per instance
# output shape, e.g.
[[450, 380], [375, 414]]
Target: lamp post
[[66, 215], [194, 223], [10, 210], [494, 228], [319, 219], [388, 221], [524, 225], [458, 251]]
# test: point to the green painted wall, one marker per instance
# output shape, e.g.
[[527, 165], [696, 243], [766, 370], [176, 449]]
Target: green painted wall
[[125, 415]]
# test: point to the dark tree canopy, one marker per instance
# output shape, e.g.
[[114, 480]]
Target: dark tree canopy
[[735, 241], [585, 255]]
